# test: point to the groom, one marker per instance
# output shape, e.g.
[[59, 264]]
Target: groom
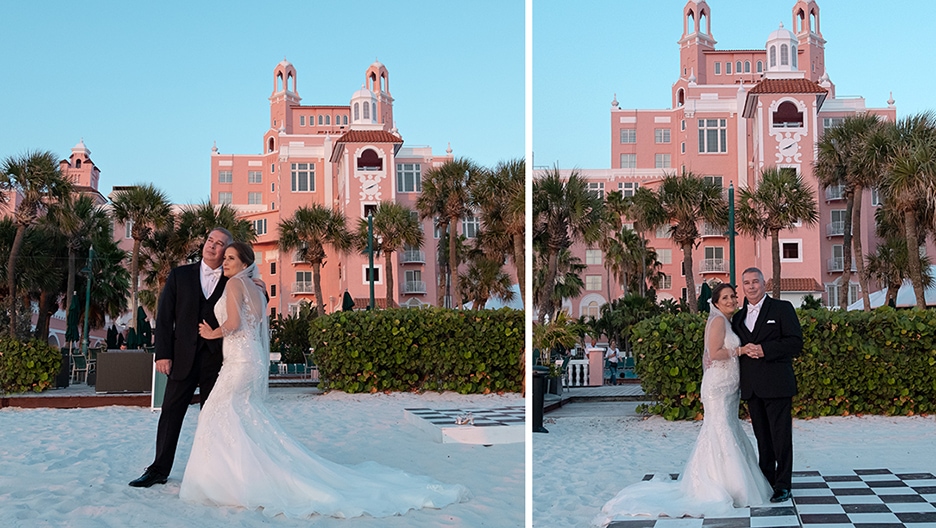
[[770, 337], [188, 298]]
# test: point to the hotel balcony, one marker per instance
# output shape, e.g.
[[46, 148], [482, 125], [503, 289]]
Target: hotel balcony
[[713, 266], [303, 287], [835, 192], [835, 229], [838, 264], [414, 287], [413, 256], [709, 230]]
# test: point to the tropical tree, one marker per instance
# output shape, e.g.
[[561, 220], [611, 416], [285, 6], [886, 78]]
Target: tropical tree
[[781, 200], [35, 182], [395, 227], [197, 222], [500, 196], [567, 283], [308, 231], [41, 280], [485, 279], [565, 211], [681, 201], [146, 209], [445, 193], [911, 173]]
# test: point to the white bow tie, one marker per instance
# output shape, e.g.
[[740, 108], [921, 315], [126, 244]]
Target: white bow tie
[[213, 273]]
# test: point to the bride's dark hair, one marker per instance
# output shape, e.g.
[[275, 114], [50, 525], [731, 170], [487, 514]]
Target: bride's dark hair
[[244, 252], [716, 292]]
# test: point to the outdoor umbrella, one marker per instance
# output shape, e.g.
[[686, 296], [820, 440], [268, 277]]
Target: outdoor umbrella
[[145, 334], [132, 340], [347, 303], [71, 329], [112, 337], [704, 297]]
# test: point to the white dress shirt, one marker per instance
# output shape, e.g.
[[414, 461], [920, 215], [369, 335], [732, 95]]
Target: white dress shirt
[[209, 279], [753, 310]]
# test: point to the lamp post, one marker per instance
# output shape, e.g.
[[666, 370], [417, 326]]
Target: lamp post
[[731, 235], [85, 341], [370, 257]]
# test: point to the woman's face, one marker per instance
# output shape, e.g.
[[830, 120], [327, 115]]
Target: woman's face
[[232, 264], [727, 300]]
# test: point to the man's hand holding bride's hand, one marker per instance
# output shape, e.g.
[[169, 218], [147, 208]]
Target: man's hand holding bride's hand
[[752, 351], [207, 332]]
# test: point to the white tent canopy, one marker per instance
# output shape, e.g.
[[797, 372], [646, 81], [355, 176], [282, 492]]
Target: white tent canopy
[[905, 296]]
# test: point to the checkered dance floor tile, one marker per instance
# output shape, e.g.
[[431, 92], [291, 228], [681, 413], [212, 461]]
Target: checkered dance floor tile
[[500, 425], [865, 498]]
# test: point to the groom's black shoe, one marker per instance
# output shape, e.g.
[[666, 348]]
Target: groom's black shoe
[[781, 495], [148, 478]]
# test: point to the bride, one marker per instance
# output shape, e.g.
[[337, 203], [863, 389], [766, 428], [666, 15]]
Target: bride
[[722, 471], [242, 457]]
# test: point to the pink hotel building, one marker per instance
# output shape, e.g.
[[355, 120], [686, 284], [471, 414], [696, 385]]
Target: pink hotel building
[[734, 113], [348, 157]]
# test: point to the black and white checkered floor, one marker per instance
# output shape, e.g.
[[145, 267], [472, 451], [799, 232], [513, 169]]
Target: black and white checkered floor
[[866, 498], [499, 425]]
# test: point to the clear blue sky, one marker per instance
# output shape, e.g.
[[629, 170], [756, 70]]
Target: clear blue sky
[[585, 52], [150, 85]]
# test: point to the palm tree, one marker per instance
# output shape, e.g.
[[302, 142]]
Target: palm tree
[[483, 280], [395, 227], [35, 182], [204, 217], [41, 281], [500, 197], [167, 247], [565, 211], [146, 208], [681, 201], [851, 155], [568, 283], [445, 192], [309, 230], [781, 200]]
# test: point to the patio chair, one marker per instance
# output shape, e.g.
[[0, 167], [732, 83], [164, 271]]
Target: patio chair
[[310, 368], [79, 367], [564, 372], [629, 368]]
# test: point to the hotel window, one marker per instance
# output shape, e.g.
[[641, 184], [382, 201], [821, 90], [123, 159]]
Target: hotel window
[[784, 55], [628, 135], [303, 177], [665, 255], [344, 120], [272, 268], [273, 187], [409, 177], [593, 257], [225, 198], [367, 274], [225, 177], [321, 120], [593, 282], [272, 168], [829, 122], [788, 116], [357, 111], [666, 282], [128, 227], [254, 198], [661, 161], [738, 67], [273, 291], [717, 68], [328, 120], [747, 66], [773, 56], [728, 68], [470, 226], [714, 180], [260, 226], [436, 230], [665, 231], [301, 120], [760, 66], [592, 310], [682, 147], [366, 111], [791, 251], [682, 125], [627, 189], [255, 177], [876, 197], [661, 135], [597, 188], [713, 135], [628, 161]]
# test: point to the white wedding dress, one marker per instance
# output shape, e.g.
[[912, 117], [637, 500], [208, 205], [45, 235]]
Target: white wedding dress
[[722, 471], [242, 457]]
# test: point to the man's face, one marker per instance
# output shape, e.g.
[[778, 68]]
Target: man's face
[[213, 250], [754, 287]]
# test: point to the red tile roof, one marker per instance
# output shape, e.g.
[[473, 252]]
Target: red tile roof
[[796, 284], [361, 303], [784, 86], [369, 136]]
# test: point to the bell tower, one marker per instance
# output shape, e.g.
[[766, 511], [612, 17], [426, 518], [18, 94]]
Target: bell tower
[[811, 44], [696, 40], [284, 95], [377, 80]]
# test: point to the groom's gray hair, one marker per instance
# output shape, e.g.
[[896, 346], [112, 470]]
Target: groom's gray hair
[[756, 270]]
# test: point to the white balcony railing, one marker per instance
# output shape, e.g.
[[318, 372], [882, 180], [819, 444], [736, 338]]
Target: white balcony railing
[[835, 192], [709, 230], [835, 229], [303, 287], [414, 287], [713, 266], [838, 264], [413, 256]]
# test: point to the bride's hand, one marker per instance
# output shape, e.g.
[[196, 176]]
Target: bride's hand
[[206, 331]]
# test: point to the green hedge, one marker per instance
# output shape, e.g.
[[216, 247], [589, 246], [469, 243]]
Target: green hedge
[[420, 349], [880, 362], [30, 365]]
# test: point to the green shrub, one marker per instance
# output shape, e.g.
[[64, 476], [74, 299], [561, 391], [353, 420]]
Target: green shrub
[[30, 365], [879, 362], [417, 350]]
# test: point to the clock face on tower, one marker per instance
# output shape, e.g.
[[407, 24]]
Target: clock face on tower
[[370, 188], [788, 147]]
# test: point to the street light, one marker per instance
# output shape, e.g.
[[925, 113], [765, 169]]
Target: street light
[[370, 256], [731, 235], [86, 339]]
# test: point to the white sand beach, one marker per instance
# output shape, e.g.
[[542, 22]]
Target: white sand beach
[[70, 467], [594, 449]]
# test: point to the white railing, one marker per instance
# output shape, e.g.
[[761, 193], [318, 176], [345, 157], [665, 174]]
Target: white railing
[[413, 255], [835, 192], [414, 287], [835, 228], [712, 230], [713, 266], [838, 264], [303, 287], [577, 374]]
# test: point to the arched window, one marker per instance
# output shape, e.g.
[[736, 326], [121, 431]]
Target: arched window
[[773, 56], [680, 97], [383, 83], [279, 82], [793, 55], [787, 115], [747, 66], [290, 81], [373, 82], [270, 145], [702, 22], [784, 55], [321, 120], [344, 120], [369, 160], [690, 23], [366, 111], [78, 164], [357, 112], [328, 120], [760, 66], [728, 68], [737, 67]]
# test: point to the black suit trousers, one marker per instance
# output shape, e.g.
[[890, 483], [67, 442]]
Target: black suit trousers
[[773, 427], [178, 397]]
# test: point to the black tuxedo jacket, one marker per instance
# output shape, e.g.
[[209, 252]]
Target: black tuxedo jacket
[[778, 332], [182, 306]]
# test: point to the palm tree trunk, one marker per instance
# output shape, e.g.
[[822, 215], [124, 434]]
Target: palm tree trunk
[[134, 278], [549, 284], [916, 274], [846, 252], [11, 275], [453, 262], [317, 287], [775, 261], [859, 252], [70, 289], [389, 266], [520, 265], [690, 277], [47, 307], [441, 277]]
